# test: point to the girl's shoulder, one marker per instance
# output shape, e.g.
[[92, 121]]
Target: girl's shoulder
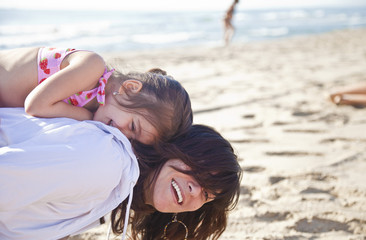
[[88, 62], [84, 56]]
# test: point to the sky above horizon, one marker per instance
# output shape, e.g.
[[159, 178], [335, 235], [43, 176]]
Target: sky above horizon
[[171, 5]]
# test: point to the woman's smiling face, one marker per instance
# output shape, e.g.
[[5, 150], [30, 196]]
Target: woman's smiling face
[[174, 191]]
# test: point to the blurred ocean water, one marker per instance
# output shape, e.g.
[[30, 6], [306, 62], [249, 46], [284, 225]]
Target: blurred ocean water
[[106, 31]]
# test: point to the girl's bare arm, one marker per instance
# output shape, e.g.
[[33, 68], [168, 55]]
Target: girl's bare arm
[[82, 73]]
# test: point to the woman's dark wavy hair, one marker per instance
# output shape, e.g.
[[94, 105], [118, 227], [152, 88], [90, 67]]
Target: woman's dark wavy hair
[[214, 165]]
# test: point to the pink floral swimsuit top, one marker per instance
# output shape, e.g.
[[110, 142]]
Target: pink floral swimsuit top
[[49, 62]]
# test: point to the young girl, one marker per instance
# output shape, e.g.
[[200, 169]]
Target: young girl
[[53, 82]]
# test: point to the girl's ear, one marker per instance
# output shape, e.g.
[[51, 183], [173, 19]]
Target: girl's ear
[[133, 86]]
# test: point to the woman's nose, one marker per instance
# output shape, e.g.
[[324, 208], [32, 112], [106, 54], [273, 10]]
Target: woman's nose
[[194, 189]]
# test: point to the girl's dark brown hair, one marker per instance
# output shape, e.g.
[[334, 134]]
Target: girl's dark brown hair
[[214, 165], [167, 103]]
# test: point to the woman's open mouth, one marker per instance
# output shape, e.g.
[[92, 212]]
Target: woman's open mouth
[[177, 191]]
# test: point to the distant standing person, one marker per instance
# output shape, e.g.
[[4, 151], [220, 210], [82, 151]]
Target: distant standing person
[[228, 26]]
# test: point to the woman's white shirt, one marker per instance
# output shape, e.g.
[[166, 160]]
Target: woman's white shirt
[[59, 175]]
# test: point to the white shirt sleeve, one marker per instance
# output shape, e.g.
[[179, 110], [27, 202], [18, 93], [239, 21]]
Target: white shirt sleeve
[[54, 162], [60, 173]]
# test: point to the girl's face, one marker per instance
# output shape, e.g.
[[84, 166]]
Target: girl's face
[[132, 125], [174, 191]]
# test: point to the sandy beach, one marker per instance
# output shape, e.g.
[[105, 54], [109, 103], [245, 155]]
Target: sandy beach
[[303, 157]]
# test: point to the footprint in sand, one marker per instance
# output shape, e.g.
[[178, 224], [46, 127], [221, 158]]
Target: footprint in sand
[[282, 123], [246, 196], [250, 126], [248, 116], [273, 216], [299, 113], [333, 118], [318, 176], [311, 131], [245, 190], [320, 225], [317, 194], [341, 139], [311, 190], [353, 157], [249, 141], [293, 153], [253, 169], [276, 179], [358, 226]]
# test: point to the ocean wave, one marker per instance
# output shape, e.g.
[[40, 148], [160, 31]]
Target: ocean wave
[[162, 38], [281, 15], [269, 32], [113, 30]]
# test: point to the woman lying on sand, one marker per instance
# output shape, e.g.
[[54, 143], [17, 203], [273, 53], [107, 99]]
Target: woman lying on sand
[[55, 182]]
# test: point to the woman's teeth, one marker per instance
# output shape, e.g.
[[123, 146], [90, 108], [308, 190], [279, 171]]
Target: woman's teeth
[[177, 190]]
